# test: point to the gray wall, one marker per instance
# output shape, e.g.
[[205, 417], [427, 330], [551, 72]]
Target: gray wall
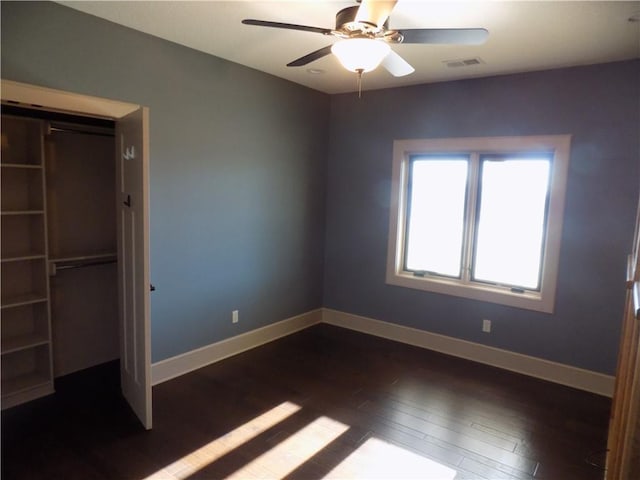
[[598, 105], [237, 169]]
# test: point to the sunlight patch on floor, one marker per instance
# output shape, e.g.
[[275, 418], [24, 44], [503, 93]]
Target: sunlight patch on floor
[[200, 458], [377, 459], [292, 452], [374, 459]]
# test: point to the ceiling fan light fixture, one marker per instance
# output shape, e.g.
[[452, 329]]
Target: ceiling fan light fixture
[[360, 54]]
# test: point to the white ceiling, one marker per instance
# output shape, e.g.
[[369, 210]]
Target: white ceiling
[[523, 36]]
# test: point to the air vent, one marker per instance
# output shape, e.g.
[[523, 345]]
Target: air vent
[[467, 62]]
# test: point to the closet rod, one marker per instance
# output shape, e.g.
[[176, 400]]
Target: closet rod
[[81, 129], [69, 266]]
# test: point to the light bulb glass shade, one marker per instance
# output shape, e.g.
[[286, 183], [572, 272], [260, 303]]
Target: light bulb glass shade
[[360, 53]]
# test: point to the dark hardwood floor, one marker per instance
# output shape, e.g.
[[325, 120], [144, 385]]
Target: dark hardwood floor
[[322, 402]]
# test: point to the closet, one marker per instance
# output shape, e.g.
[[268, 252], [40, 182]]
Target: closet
[[59, 307]]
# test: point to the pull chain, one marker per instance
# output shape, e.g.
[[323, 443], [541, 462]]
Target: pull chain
[[360, 71]]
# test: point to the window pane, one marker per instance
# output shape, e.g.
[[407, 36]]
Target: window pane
[[511, 225], [435, 223]]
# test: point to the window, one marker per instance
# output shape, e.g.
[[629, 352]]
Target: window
[[479, 217]]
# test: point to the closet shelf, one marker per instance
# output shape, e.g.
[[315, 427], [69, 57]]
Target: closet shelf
[[21, 165], [20, 300], [23, 258], [23, 342], [22, 383], [22, 212]]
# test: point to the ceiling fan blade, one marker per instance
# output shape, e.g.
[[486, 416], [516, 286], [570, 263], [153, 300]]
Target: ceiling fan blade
[[396, 65], [459, 36], [287, 26], [324, 51], [375, 11]]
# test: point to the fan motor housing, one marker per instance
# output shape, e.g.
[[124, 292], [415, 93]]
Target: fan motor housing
[[348, 27], [346, 22]]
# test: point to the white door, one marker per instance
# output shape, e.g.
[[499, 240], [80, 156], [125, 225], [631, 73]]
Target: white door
[[132, 173]]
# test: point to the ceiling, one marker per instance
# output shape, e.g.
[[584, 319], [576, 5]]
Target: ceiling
[[523, 36]]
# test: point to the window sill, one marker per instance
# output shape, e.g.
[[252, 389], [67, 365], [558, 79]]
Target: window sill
[[486, 293]]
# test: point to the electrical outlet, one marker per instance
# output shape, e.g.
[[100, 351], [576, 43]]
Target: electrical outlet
[[234, 316], [486, 325]]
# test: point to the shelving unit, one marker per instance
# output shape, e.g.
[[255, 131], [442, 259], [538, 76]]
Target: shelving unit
[[25, 339]]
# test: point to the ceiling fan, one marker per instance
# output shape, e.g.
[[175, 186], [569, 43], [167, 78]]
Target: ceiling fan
[[365, 38]]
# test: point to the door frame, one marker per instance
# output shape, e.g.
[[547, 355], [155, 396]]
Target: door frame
[[33, 96]]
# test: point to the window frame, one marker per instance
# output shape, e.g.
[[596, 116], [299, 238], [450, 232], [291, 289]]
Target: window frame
[[409, 190], [483, 158], [403, 150]]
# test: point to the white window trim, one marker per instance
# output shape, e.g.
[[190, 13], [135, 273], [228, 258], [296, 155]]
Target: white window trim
[[542, 301]]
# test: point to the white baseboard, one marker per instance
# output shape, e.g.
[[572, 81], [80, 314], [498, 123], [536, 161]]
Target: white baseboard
[[184, 363], [535, 367], [516, 362]]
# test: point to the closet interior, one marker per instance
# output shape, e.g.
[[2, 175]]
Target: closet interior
[[59, 302]]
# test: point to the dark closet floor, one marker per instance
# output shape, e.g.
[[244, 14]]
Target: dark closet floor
[[322, 402]]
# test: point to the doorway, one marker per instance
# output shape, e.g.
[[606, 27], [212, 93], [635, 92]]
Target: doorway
[[80, 190], [132, 256]]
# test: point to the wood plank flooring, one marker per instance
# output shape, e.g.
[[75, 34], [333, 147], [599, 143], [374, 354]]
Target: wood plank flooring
[[325, 402]]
